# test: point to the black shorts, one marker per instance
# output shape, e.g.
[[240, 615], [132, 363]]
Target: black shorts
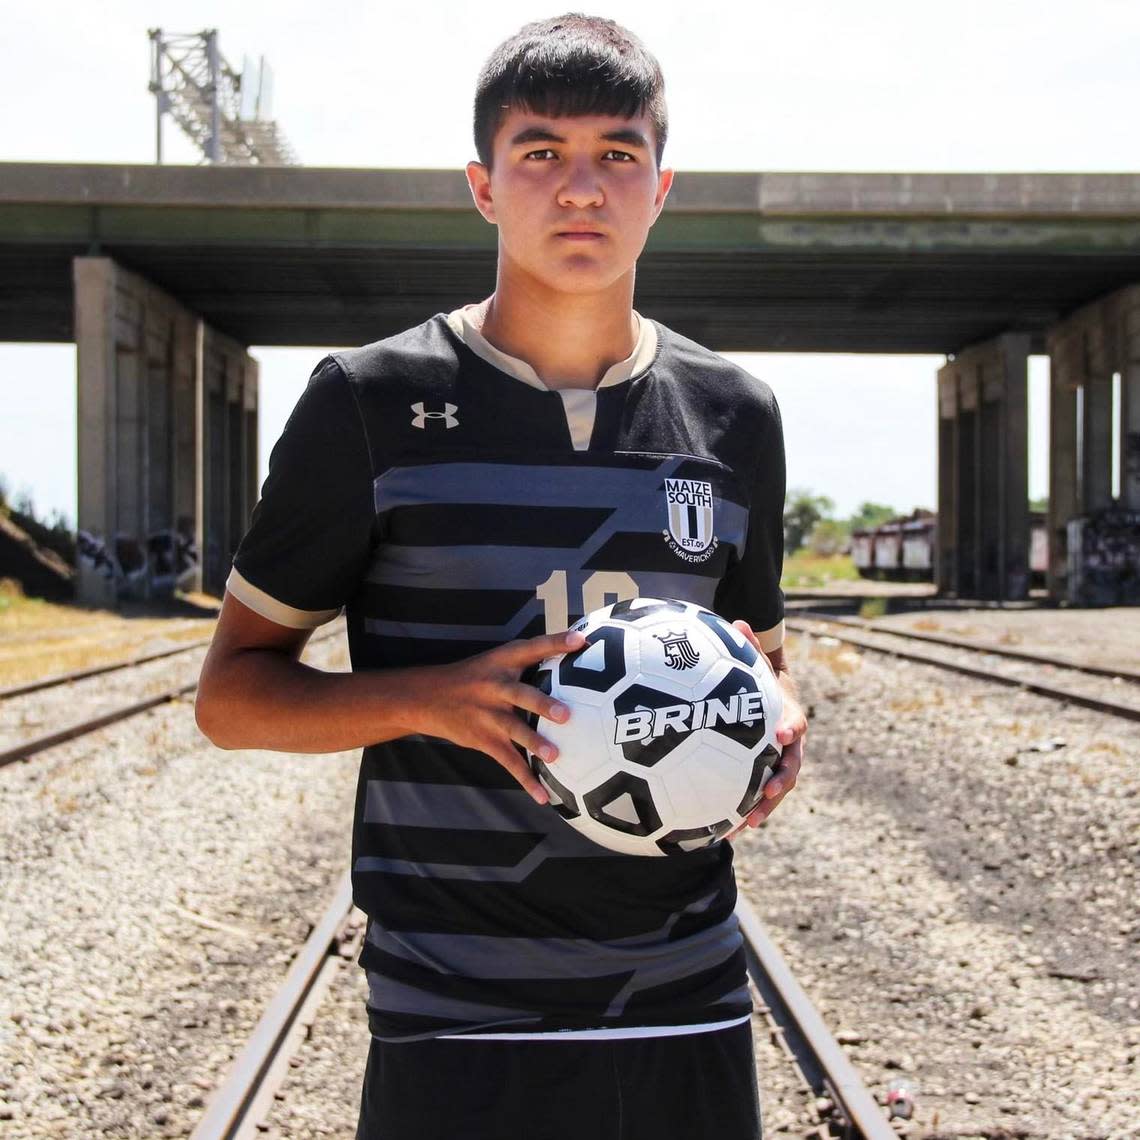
[[686, 1087]]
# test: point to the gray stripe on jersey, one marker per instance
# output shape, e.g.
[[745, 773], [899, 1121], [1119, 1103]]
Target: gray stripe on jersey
[[502, 484], [462, 807], [651, 584], [649, 959], [481, 955], [459, 807], [390, 996], [505, 632], [634, 496]]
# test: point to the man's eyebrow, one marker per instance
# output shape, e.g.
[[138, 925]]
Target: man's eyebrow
[[535, 134], [626, 135]]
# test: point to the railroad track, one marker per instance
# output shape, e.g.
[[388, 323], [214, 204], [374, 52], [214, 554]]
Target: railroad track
[[239, 1106], [28, 748], [1067, 694], [57, 679], [957, 643]]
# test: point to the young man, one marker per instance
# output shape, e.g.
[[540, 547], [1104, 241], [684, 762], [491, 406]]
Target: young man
[[465, 490]]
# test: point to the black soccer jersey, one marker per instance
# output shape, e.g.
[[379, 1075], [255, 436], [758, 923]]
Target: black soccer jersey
[[449, 507]]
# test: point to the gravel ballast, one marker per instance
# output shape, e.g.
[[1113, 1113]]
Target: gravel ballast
[[153, 890], [953, 882]]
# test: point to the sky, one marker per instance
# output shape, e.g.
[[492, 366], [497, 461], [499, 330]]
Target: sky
[[883, 85]]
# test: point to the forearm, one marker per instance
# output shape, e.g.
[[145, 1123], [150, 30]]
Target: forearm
[[259, 698]]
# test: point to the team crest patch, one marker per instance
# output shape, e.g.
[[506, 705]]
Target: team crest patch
[[690, 512], [679, 651]]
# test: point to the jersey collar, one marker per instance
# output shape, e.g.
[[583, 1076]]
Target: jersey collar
[[466, 321]]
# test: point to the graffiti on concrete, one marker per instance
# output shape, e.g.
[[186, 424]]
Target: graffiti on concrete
[[167, 560], [1104, 558], [1131, 465]]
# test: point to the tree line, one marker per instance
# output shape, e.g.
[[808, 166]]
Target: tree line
[[809, 521]]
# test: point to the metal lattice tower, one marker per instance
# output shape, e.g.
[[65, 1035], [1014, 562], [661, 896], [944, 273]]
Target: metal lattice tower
[[227, 115]]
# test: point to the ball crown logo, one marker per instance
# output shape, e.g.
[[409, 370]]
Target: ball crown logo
[[679, 651], [671, 735]]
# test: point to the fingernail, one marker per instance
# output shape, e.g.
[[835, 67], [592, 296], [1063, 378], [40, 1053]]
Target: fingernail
[[575, 639], [540, 797], [775, 787], [548, 752], [560, 712]]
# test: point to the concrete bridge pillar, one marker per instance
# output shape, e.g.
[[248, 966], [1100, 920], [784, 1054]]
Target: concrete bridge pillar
[[1094, 537], [983, 509], [147, 394]]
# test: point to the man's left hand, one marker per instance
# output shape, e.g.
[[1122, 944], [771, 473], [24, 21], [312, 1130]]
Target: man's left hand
[[790, 732]]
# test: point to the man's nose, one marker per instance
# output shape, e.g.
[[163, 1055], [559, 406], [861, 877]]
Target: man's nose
[[581, 187]]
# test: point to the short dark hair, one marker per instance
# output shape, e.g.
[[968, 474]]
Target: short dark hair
[[569, 65]]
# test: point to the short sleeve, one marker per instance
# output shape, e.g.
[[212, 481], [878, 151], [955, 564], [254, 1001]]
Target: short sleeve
[[751, 588], [310, 536]]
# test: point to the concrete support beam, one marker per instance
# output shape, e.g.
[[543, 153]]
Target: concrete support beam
[[946, 536], [144, 508], [983, 510], [1130, 436], [1066, 355], [1130, 408], [1094, 539], [229, 400]]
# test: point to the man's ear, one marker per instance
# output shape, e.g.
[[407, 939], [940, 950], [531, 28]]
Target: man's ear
[[664, 183], [479, 179]]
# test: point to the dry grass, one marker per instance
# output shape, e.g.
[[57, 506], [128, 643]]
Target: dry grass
[[873, 608], [965, 631], [936, 697], [1105, 746], [39, 639], [841, 659], [804, 569]]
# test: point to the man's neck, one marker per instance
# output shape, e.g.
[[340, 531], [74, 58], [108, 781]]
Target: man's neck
[[570, 340]]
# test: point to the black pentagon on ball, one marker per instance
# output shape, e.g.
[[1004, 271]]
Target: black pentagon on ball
[[566, 804], [618, 785], [745, 653], [734, 682], [763, 761], [684, 840], [627, 612], [655, 748], [573, 675]]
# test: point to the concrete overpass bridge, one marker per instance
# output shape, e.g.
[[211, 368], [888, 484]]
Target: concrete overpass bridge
[[163, 276]]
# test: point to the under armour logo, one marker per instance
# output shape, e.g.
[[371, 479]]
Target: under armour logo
[[421, 417]]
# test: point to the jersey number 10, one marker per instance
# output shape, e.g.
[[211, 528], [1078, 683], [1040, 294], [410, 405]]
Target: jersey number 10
[[599, 589]]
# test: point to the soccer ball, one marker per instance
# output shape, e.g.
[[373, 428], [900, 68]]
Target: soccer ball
[[672, 729]]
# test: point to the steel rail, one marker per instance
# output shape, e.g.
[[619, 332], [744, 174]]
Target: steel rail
[[50, 740], [238, 1107], [955, 643], [41, 743], [95, 670], [793, 1010], [231, 1111], [1067, 696]]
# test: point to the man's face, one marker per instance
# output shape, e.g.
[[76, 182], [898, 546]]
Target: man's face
[[573, 197]]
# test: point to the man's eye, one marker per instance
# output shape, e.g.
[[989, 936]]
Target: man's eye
[[622, 155], [544, 153]]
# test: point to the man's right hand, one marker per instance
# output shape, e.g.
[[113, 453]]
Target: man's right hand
[[475, 703], [254, 692]]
